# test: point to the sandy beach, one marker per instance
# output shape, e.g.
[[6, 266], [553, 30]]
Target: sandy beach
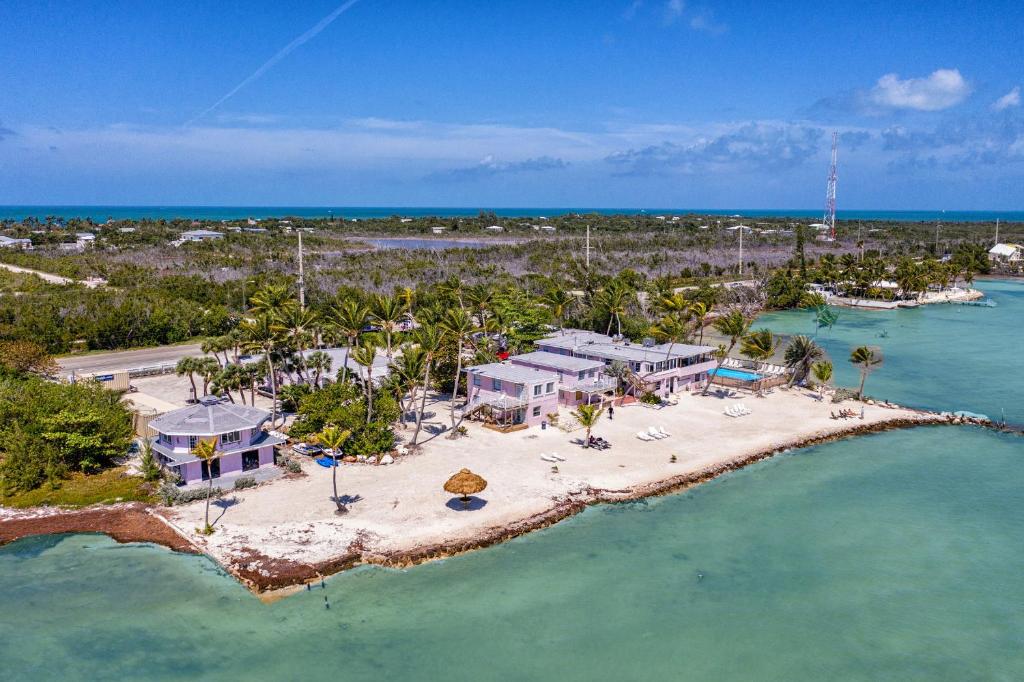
[[286, 532]]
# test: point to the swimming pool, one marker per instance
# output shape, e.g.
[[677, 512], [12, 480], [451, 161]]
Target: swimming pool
[[736, 374]]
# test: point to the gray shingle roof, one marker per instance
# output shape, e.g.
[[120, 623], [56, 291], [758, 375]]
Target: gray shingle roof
[[209, 420], [516, 374], [557, 361]]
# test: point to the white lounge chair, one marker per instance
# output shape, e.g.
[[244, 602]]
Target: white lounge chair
[[731, 411], [655, 433], [642, 435], [548, 458], [662, 431], [557, 457]]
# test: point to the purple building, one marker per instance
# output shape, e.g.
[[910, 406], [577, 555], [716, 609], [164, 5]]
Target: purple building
[[507, 395], [661, 369], [580, 380], [244, 444]]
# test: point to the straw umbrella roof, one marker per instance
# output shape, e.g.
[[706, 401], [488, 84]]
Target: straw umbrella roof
[[465, 483]]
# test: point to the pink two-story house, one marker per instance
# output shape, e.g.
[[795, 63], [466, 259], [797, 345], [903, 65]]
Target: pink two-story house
[[661, 369], [509, 395], [580, 380], [241, 440]]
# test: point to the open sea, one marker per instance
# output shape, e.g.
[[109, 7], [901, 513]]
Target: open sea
[[895, 556], [103, 213]]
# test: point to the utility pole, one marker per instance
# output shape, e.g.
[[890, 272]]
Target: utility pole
[[588, 247], [997, 230], [302, 276], [741, 249]]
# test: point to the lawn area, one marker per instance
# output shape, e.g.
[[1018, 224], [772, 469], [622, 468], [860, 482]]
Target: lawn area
[[81, 490]]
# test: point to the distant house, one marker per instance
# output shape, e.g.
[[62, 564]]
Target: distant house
[[406, 220], [495, 228], [14, 243], [200, 235], [250, 221], [257, 230], [547, 228], [84, 239], [126, 230], [1006, 253], [244, 445], [437, 229]]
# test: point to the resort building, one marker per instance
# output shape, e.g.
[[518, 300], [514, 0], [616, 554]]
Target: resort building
[[244, 445], [200, 235], [661, 369], [509, 395], [579, 380], [1007, 253], [14, 243]]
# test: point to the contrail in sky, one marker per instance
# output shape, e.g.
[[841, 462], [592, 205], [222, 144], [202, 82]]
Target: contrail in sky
[[284, 52]]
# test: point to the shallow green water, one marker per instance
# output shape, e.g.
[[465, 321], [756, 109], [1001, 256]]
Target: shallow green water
[[942, 357], [894, 556]]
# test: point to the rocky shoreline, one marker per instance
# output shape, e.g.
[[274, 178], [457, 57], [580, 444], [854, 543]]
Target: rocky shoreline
[[272, 576]]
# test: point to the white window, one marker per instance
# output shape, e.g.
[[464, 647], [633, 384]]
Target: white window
[[230, 438], [192, 442], [497, 384], [581, 375], [476, 380], [536, 411], [537, 389], [550, 387]]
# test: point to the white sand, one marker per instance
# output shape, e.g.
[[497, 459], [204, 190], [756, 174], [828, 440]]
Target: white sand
[[403, 507]]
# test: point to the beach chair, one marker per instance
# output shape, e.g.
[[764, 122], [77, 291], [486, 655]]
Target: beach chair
[[643, 436], [731, 411], [662, 431], [548, 458], [557, 457], [655, 433]]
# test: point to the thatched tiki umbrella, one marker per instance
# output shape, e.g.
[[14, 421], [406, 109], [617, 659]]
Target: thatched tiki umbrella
[[465, 483]]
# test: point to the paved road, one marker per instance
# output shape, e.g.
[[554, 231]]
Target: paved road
[[126, 359]]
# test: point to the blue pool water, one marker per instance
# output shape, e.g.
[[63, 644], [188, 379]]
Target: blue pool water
[[735, 374]]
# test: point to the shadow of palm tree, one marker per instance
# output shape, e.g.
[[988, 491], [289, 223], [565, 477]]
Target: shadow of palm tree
[[223, 503], [347, 499]]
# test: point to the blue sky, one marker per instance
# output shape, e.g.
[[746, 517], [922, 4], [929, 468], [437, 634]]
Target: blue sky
[[658, 103]]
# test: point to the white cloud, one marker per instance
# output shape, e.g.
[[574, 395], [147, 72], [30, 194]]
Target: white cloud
[[1010, 99], [942, 89], [673, 10]]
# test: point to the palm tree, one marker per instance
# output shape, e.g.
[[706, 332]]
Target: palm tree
[[408, 372], [207, 452], [457, 325], [822, 373], [428, 337], [699, 313], [319, 363], [801, 353], [188, 366], [734, 325], [615, 299], [671, 328], [759, 345], [207, 368], [364, 355], [865, 358], [261, 334], [348, 320], [214, 345], [559, 301], [273, 300], [480, 297], [587, 416], [388, 312], [299, 330], [333, 438]]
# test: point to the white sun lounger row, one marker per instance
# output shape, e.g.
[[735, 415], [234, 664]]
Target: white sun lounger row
[[553, 457], [653, 433], [739, 410]]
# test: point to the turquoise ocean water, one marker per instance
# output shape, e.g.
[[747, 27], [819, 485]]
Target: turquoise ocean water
[[895, 556], [102, 213]]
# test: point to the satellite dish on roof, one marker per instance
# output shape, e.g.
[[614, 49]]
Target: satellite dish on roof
[[648, 342]]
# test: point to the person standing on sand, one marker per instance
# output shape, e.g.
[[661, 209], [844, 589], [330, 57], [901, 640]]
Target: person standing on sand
[[611, 412]]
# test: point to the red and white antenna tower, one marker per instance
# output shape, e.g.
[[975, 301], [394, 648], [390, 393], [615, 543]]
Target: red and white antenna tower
[[830, 191]]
